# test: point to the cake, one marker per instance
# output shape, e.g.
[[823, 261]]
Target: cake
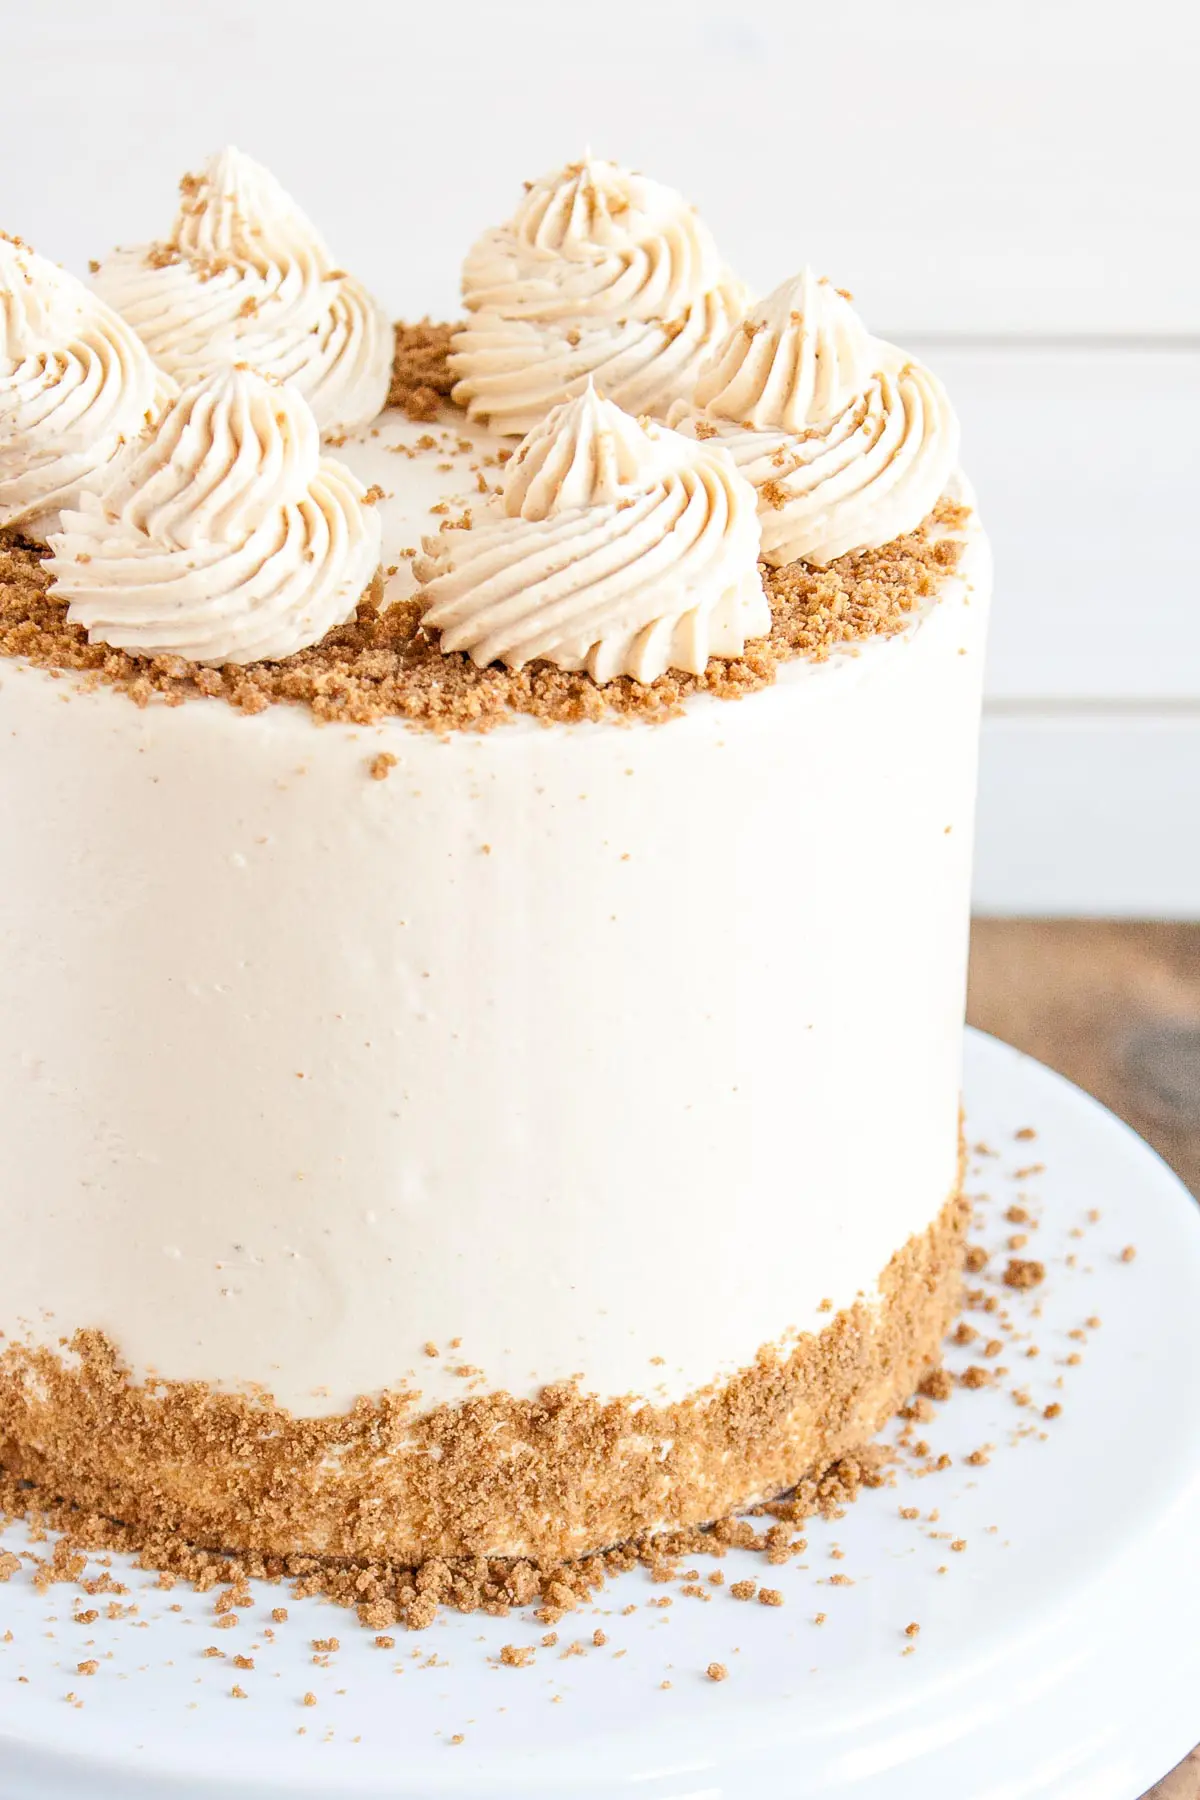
[[487, 877]]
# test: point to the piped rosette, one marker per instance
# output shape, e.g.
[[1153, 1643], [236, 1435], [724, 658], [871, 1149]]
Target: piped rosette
[[225, 537], [600, 273], [76, 384], [848, 442], [614, 546], [243, 276]]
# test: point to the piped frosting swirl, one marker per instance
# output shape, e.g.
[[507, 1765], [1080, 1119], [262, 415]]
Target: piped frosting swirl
[[848, 442], [76, 384], [614, 546], [225, 536], [244, 277], [600, 273]]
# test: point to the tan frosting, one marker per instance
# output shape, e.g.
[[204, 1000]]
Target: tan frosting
[[244, 277], [600, 272], [225, 537], [75, 384], [798, 359], [615, 545], [849, 443]]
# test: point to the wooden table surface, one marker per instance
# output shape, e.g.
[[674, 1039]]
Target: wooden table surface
[[1116, 1007]]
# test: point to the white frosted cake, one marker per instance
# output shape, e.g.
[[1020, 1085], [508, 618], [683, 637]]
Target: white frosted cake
[[480, 1042]]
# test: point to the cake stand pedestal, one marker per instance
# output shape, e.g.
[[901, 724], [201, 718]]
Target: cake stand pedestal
[[1056, 1656]]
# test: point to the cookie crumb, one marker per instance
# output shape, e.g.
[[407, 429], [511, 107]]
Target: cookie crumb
[[421, 378]]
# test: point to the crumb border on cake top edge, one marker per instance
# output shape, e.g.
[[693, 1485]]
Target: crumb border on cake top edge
[[380, 667]]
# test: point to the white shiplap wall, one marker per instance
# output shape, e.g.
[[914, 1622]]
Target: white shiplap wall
[[1011, 188]]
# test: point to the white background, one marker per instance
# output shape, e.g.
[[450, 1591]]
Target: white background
[[1011, 188]]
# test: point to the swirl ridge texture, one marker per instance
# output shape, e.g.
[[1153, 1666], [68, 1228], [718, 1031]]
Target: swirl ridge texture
[[76, 384], [848, 442], [225, 537], [600, 273], [243, 276], [614, 545]]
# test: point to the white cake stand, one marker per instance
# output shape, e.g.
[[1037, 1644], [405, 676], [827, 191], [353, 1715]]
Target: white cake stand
[[1057, 1656]]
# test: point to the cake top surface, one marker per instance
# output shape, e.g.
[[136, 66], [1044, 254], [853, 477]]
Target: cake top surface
[[382, 664], [617, 482]]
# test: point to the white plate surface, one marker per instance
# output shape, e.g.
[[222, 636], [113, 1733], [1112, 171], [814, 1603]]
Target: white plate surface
[[1057, 1654]]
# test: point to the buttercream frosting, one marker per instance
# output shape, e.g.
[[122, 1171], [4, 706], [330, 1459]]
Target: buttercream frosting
[[600, 272], [614, 545], [225, 537], [849, 442], [296, 1079], [75, 385], [243, 276]]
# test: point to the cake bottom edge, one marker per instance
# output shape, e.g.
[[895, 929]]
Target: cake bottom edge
[[551, 1479]]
